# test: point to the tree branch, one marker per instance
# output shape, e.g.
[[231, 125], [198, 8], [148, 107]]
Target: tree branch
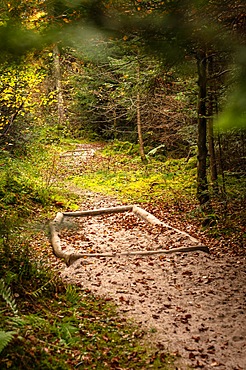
[[141, 213]]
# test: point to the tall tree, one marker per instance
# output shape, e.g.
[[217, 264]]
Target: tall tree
[[190, 29], [211, 112], [139, 122], [202, 183]]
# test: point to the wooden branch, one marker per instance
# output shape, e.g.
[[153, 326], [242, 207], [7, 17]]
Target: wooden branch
[[72, 153], [141, 213], [75, 256], [148, 217], [100, 211], [219, 74], [55, 239]]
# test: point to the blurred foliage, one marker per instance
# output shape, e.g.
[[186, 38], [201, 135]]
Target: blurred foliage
[[173, 30], [234, 113], [20, 93]]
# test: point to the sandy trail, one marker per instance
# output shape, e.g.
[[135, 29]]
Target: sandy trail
[[192, 304]]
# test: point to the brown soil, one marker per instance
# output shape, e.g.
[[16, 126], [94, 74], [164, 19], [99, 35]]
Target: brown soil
[[192, 304]]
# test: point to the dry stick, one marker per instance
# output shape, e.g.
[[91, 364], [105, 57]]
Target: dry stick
[[99, 211], [70, 153], [75, 151], [72, 257], [75, 256], [146, 216]]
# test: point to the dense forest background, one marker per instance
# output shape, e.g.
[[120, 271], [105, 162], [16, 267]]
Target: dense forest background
[[162, 81], [163, 75]]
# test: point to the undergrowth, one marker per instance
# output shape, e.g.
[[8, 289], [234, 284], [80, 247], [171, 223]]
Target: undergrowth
[[32, 182], [45, 324], [73, 329], [124, 175]]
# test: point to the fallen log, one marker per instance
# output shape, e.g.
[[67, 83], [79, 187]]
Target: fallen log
[[54, 236], [99, 211], [71, 257], [148, 217], [72, 153]]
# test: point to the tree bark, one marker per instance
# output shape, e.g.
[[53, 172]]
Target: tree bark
[[211, 112], [213, 161], [202, 183], [139, 123]]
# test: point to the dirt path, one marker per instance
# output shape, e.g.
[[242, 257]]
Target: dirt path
[[191, 304]]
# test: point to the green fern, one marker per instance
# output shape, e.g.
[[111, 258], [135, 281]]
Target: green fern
[[38, 292], [67, 333], [5, 338], [6, 293]]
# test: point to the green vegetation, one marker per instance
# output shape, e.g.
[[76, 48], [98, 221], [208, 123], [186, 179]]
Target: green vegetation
[[72, 329], [120, 172]]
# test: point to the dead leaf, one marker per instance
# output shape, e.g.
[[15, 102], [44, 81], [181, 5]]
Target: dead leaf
[[191, 355]]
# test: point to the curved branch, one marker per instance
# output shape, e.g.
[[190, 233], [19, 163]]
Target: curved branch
[[71, 257], [75, 256]]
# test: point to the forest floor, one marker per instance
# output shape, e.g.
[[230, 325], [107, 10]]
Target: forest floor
[[191, 304]]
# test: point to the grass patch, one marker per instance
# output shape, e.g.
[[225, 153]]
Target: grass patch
[[33, 182], [77, 330], [126, 177]]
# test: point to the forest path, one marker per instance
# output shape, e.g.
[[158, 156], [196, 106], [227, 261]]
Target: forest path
[[192, 304]]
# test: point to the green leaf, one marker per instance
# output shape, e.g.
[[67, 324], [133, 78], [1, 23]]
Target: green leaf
[[6, 293], [5, 338]]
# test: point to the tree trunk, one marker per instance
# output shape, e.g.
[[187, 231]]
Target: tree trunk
[[202, 183], [213, 161], [139, 123], [211, 112], [58, 82]]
